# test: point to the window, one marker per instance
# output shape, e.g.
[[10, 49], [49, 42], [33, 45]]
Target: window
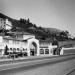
[[46, 51], [1, 19], [17, 49], [4, 25], [4, 22], [23, 49], [14, 49], [11, 49], [41, 51]]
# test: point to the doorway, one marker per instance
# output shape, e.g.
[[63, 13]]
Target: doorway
[[33, 49]]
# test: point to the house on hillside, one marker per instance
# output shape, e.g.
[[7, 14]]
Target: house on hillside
[[5, 24]]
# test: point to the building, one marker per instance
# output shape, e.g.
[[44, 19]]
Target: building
[[46, 47], [8, 24], [21, 42], [2, 23], [65, 50], [5, 24], [25, 43]]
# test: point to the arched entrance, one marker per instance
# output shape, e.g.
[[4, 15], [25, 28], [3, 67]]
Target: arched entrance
[[33, 49]]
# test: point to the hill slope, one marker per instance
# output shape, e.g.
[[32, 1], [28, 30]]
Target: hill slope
[[27, 26]]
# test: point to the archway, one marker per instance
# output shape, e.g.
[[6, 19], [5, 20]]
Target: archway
[[33, 49]]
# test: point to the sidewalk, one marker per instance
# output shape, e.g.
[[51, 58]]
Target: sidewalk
[[23, 58]]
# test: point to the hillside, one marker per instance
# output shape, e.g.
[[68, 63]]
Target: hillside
[[17, 23], [39, 32], [53, 30]]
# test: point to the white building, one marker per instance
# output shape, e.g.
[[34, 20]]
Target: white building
[[2, 23], [21, 42], [8, 25], [5, 24], [46, 47]]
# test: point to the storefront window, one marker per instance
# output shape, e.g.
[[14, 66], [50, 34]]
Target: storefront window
[[46, 51], [41, 51]]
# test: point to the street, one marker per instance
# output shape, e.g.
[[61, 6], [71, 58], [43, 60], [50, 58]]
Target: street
[[54, 66]]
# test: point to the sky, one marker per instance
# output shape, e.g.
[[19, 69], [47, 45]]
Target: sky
[[58, 14]]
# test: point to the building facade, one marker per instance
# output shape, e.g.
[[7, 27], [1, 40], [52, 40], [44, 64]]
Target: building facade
[[21, 42], [25, 43], [46, 47], [5, 24]]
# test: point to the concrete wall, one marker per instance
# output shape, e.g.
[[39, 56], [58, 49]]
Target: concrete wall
[[65, 51]]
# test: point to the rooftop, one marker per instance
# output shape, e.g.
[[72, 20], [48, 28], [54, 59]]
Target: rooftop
[[45, 41], [19, 33], [18, 39]]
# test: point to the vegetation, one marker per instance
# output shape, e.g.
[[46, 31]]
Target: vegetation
[[6, 50], [54, 35]]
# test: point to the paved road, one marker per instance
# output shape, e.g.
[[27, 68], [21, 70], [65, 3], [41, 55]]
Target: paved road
[[15, 68], [72, 72]]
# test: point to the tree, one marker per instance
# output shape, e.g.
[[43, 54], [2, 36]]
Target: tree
[[6, 50], [22, 21], [28, 20], [67, 33], [13, 28], [63, 35], [34, 25]]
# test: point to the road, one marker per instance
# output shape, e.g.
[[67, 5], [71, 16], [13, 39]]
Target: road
[[40, 66], [72, 72]]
